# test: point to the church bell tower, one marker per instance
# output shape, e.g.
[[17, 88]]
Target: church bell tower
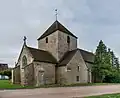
[[57, 40]]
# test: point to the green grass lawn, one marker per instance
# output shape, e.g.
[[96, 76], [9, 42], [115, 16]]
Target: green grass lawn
[[106, 96], [6, 84]]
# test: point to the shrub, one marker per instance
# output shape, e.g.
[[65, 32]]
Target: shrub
[[112, 78]]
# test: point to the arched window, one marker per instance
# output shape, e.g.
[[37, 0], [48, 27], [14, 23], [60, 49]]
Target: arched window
[[68, 39], [46, 39], [24, 61]]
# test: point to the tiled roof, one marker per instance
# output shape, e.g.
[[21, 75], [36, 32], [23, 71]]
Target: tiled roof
[[87, 56], [67, 57], [54, 27], [42, 56]]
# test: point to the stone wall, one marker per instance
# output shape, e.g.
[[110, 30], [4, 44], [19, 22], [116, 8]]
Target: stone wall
[[89, 65], [61, 76], [51, 46], [57, 44], [16, 75], [63, 46], [24, 52], [69, 76], [29, 74], [45, 69]]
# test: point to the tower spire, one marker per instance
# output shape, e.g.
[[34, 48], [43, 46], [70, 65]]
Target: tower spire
[[56, 13]]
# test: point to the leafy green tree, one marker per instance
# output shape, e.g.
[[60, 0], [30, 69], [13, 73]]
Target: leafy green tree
[[117, 63], [1, 73], [106, 65], [7, 73], [114, 60], [102, 65], [114, 77], [112, 57]]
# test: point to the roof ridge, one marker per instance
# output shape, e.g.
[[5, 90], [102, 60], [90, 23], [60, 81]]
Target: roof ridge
[[36, 49], [65, 56], [56, 26], [85, 50], [41, 50], [41, 55]]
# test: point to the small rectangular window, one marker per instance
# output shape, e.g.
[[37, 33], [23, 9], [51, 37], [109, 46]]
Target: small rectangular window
[[68, 39], [77, 78], [46, 39]]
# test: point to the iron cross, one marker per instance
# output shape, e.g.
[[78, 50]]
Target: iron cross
[[56, 13]]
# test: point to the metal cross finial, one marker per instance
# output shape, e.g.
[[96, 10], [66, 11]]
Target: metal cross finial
[[56, 13], [24, 39]]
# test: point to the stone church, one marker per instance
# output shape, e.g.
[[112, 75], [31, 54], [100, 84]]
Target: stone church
[[57, 60]]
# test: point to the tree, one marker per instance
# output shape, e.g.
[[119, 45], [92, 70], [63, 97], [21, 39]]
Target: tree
[[114, 77], [117, 63], [102, 65], [106, 65], [6, 73], [114, 60]]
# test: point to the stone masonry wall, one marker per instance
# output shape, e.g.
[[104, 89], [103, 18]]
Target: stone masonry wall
[[29, 74], [73, 64], [89, 65], [61, 78], [69, 77], [28, 55], [63, 46], [45, 69], [16, 75], [24, 52], [51, 46], [57, 44]]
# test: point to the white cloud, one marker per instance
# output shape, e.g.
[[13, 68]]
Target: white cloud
[[90, 20]]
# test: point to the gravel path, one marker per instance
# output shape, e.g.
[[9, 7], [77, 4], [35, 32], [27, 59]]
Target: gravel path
[[60, 92]]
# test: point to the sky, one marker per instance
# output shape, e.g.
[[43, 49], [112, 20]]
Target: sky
[[90, 20]]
